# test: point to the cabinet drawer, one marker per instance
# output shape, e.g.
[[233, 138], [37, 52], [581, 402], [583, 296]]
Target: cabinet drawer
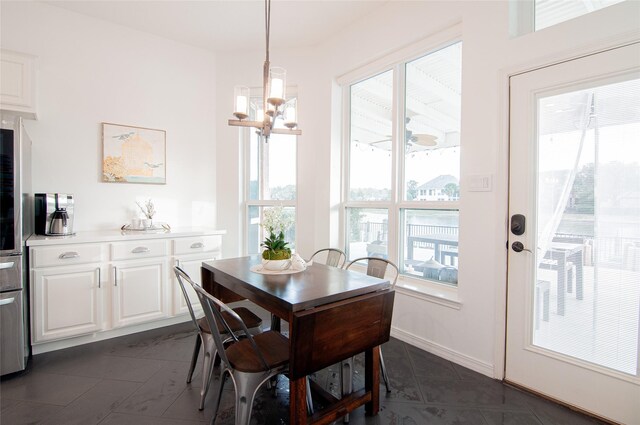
[[197, 244], [138, 249], [63, 255]]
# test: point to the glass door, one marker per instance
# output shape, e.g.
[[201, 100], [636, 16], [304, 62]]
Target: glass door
[[574, 249]]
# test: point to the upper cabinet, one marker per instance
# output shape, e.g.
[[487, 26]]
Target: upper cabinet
[[18, 84]]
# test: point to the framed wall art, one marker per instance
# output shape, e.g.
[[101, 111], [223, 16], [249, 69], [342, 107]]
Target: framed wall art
[[133, 154]]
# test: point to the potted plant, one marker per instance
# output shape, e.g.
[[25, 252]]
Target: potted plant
[[276, 254]]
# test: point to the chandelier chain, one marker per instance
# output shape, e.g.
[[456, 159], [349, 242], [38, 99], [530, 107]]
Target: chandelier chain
[[267, 24]]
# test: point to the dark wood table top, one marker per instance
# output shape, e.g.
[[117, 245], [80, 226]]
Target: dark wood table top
[[317, 285]]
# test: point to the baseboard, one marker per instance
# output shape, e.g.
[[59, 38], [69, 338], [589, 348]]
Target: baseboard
[[60, 344], [444, 352]]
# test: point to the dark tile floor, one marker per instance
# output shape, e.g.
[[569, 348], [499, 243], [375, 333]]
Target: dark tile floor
[[140, 379]]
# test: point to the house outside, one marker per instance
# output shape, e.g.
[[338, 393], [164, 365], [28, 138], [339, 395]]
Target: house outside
[[442, 188]]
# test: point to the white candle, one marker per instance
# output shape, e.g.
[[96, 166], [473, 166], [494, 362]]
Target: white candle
[[276, 88], [241, 104]]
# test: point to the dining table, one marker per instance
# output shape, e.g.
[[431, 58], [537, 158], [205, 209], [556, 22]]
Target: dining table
[[558, 257], [332, 315]]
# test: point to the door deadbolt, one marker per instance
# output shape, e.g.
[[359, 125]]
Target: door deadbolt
[[517, 224]]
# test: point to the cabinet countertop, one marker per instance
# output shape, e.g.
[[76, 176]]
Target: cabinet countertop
[[93, 236]]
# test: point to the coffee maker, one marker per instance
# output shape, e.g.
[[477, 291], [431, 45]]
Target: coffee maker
[[54, 214]]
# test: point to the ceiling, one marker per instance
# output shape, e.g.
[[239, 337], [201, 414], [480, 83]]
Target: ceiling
[[222, 26]]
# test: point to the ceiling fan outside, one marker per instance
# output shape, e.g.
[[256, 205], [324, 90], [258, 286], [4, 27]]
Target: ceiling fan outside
[[421, 140]]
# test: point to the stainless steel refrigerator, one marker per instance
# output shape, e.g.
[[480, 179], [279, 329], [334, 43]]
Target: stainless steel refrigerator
[[15, 227]]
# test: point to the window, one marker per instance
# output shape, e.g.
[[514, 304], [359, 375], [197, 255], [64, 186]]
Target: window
[[552, 12], [271, 180], [403, 167], [534, 15]]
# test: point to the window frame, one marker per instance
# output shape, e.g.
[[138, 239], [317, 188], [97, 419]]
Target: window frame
[[245, 138], [397, 203]]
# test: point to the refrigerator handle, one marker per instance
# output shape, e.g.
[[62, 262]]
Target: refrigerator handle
[[7, 265], [7, 301]]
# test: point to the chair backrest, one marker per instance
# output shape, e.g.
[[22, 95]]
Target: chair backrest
[[335, 257], [213, 309], [377, 267], [179, 274]]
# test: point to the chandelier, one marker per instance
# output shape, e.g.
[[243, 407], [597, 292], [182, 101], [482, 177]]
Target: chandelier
[[274, 105]]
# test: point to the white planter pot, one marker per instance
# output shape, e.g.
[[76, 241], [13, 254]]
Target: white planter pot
[[276, 265]]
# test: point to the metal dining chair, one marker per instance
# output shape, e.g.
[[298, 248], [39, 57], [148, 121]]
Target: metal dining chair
[[249, 362], [376, 267], [204, 338], [334, 257]]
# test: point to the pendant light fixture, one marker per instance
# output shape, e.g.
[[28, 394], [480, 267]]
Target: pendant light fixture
[[274, 104]]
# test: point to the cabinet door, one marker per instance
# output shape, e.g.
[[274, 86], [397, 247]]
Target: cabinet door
[[67, 301], [17, 88], [139, 291], [192, 268]]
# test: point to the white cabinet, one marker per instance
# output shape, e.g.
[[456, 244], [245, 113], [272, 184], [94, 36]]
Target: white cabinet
[[17, 83], [189, 253], [139, 291], [192, 268], [67, 301], [139, 281], [95, 289]]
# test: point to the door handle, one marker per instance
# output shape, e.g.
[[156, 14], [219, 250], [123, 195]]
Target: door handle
[[517, 246], [518, 224], [7, 301], [115, 276]]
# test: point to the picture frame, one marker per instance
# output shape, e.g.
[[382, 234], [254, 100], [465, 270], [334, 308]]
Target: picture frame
[[133, 154]]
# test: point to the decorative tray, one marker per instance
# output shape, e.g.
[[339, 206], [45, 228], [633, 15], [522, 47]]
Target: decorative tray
[[260, 270], [163, 228]]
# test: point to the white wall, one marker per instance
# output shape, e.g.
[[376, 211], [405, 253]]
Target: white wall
[[474, 334], [90, 72]]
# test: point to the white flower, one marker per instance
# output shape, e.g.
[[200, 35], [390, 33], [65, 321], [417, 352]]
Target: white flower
[[148, 209], [277, 219]]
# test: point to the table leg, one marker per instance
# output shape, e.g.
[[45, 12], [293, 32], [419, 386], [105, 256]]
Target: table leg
[[579, 276], [562, 275], [437, 255], [372, 380], [410, 242], [275, 323], [298, 401]]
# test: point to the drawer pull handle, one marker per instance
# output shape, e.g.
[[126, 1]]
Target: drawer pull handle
[[70, 254], [140, 250], [197, 245]]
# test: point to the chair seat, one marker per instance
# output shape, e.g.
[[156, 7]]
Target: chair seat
[[273, 345], [248, 317]]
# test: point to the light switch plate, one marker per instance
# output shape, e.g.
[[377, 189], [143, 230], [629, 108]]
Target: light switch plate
[[480, 183]]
